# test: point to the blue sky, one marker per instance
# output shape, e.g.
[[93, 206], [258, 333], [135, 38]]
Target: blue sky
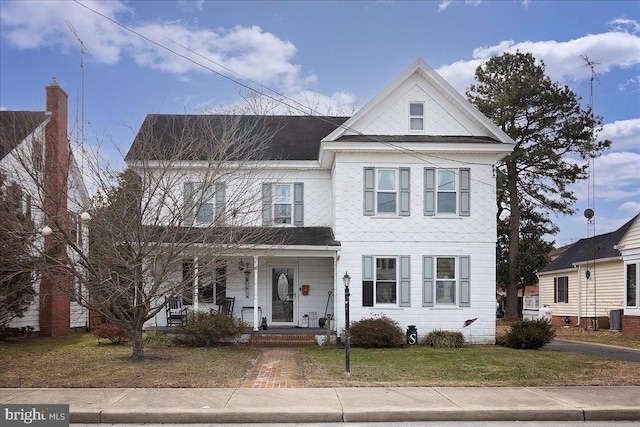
[[336, 54]]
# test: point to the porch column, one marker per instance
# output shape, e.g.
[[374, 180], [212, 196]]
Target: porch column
[[195, 283], [256, 319]]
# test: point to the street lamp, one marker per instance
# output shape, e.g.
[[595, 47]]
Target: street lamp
[[346, 279]]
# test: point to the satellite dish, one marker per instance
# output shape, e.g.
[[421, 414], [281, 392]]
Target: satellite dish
[[589, 213]]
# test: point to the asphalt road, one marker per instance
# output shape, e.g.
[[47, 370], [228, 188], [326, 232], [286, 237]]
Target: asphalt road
[[611, 352]]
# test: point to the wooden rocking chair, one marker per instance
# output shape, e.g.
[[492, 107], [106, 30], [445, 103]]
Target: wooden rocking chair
[[176, 314], [226, 307]]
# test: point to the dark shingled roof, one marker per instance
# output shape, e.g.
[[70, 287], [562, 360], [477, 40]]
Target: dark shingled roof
[[583, 249], [287, 137], [15, 126], [278, 236], [418, 138]]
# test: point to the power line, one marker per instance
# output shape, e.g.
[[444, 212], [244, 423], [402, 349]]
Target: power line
[[299, 107]]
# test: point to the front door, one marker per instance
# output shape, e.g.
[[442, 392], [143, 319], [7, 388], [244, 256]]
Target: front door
[[283, 295]]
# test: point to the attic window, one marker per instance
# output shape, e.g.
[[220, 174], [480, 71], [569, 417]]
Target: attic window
[[416, 117]]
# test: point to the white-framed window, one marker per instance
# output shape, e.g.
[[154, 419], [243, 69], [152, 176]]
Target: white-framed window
[[387, 191], [446, 281], [282, 203], [386, 280], [561, 289], [447, 192], [211, 284], [203, 204], [416, 117], [632, 279]]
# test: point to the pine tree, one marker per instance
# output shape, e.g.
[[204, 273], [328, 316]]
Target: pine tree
[[550, 128]]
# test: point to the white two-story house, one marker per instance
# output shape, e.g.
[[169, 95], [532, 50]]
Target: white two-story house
[[401, 197]]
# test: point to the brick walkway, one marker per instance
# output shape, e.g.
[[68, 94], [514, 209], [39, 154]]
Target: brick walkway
[[276, 368]]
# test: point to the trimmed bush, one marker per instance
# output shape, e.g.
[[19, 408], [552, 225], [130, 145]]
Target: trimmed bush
[[530, 334], [377, 332], [204, 329], [444, 339], [157, 339]]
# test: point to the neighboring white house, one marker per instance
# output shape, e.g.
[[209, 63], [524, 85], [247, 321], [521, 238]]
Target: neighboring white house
[[35, 153], [401, 196], [595, 277]]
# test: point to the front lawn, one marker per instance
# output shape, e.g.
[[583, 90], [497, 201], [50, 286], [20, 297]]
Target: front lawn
[[470, 366], [76, 361]]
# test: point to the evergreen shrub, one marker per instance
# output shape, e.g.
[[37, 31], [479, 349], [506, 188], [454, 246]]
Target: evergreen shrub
[[444, 339], [377, 332], [204, 329], [530, 334]]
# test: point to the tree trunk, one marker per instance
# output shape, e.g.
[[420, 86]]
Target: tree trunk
[[511, 309], [137, 345]]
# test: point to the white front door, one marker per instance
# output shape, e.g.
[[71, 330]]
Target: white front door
[[283, 295]]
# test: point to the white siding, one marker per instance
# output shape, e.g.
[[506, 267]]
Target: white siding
[[418, 235]]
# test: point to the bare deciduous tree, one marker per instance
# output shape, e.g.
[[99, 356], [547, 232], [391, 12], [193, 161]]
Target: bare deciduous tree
[[190, 189]]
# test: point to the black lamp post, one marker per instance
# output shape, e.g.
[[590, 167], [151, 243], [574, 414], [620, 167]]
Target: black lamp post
[[346, 279]]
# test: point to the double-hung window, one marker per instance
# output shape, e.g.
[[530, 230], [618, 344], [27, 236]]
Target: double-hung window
[[416, 117], [283, 203], [447, 192], [203, 204], [387, 191], [211, 285], [386, 280], [446, 281], [561, 289], [632, 281]]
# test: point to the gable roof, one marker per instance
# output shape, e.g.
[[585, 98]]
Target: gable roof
[[281, 137], [598, 247], [15, 126], [441, 85]]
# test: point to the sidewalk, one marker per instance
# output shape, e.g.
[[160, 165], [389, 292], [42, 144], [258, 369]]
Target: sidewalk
[[308, 405]]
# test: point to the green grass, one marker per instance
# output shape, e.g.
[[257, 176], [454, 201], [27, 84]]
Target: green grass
[[470, 366], [76, 361], [603, 336]]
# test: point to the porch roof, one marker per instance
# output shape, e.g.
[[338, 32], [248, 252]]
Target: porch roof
[[263, 236]]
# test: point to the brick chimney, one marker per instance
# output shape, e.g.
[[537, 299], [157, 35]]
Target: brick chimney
[[54, 287]]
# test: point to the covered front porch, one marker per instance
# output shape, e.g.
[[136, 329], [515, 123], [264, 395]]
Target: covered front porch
[[285, 287]]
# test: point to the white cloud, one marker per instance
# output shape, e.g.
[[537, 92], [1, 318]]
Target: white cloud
[[626, 25], [563, 60], [446, 3], [625, 134], [630, 207], [616, 177], [249, 51]]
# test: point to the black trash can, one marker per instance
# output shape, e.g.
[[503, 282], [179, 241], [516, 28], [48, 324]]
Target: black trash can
[[615, 320], [412, 335]]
